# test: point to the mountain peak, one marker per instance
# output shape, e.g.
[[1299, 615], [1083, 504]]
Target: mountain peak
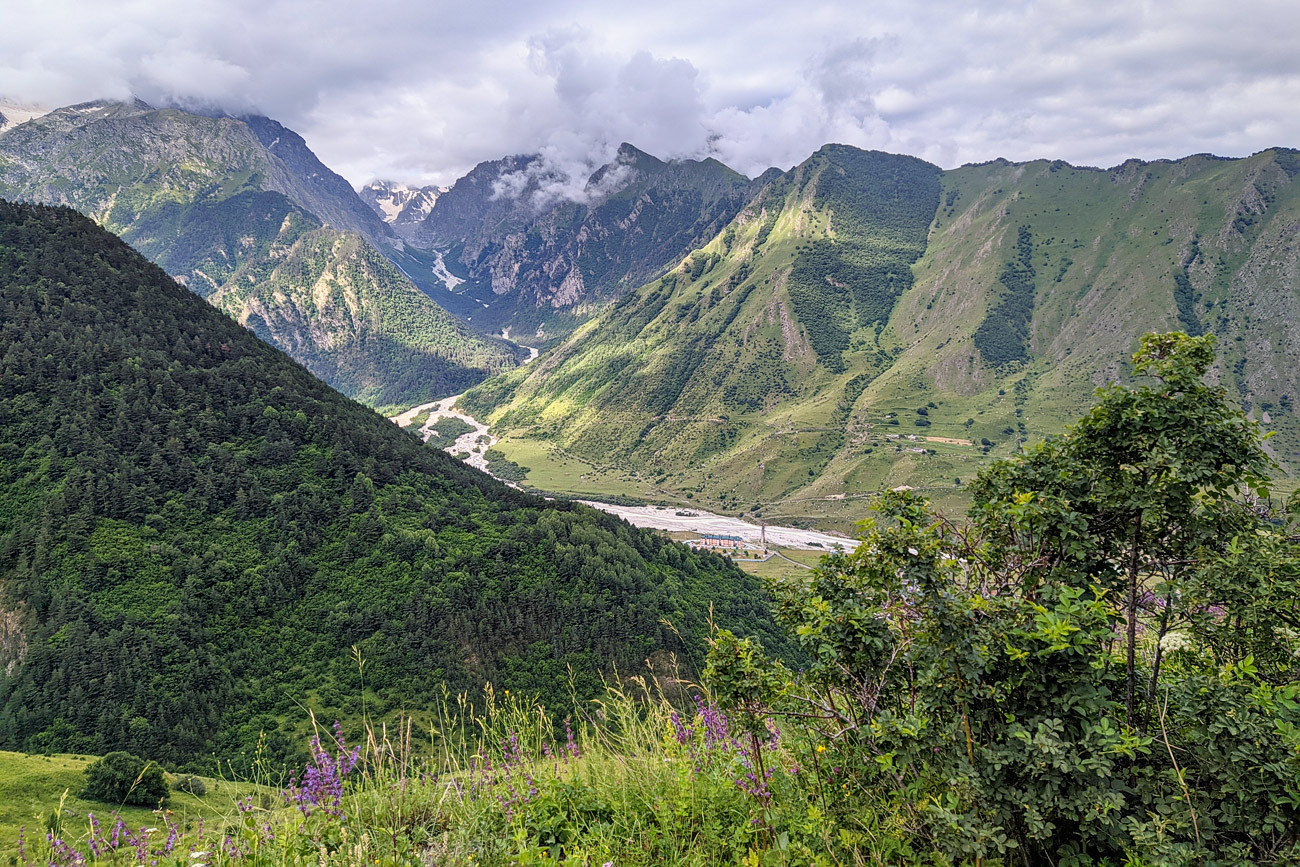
[[397, 203], [632, 155], [14, 112]]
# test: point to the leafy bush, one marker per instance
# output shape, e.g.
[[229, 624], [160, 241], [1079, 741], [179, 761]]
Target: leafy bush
[[192, 785], [1101, 667], [121, 778], [503, 468]]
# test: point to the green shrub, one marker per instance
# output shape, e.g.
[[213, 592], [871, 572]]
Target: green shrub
[[1090, 671], [191, 784], [121, 778]]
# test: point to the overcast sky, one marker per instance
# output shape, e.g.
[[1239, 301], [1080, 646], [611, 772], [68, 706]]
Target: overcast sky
[[421, 90]]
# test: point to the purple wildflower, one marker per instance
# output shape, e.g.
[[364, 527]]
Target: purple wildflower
[[683, 732], [96, 839], [322, 781], [717, 729], [63, 855], [173, 835], [570, 744]]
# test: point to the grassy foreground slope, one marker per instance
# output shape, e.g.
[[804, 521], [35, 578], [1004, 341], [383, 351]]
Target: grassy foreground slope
[[241, 212], [32, 787], [872, 322], [198, 537]]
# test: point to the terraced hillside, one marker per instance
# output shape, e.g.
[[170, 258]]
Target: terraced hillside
[[241, 209], [870, 321]]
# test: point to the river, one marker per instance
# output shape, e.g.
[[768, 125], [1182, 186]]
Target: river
[[669, 518]]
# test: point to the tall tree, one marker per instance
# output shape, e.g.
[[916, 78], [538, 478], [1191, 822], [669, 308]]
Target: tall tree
[[1142, 490]]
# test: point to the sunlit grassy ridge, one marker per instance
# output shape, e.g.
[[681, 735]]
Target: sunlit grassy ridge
[[268, 235], [736, 381]]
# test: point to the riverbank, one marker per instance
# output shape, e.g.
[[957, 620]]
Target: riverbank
[[471, 447]]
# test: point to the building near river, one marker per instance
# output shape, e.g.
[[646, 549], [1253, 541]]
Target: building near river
[[720, 540]]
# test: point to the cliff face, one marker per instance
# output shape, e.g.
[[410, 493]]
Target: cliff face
[[539, 260], [13, 637], [240, 209]]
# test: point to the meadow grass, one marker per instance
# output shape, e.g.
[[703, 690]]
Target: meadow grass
[[650, 773], [37, 791]]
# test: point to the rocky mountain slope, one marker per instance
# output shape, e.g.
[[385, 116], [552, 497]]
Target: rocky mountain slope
[[199, 540], [541, 262], [399, 205], [868, 320], [221, 201]]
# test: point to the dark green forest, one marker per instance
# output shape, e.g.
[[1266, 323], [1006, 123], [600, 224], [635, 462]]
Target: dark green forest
[[881, 206], [195, 533], [1003, 336]]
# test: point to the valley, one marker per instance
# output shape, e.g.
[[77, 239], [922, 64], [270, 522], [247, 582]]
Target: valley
[[867, 322], [471, 446], [187, 509], [1041, 416]]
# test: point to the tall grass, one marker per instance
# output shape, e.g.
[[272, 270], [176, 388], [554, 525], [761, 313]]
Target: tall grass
[[650, 773]]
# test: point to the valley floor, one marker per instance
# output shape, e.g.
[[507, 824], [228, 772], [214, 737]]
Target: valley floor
[[472, 445], [693, 520]]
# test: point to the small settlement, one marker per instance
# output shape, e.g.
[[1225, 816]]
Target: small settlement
[[720, 540], [733, 546]]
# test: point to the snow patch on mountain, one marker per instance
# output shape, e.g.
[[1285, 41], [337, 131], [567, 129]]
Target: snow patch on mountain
[[14, 112], [398, 203], [440, 271]]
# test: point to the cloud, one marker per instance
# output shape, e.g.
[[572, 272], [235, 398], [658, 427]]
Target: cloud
[[422, 90], [599, 101]]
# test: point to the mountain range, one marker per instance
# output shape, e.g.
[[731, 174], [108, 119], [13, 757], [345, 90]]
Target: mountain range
[[541, 262], [868, 320], [779, 345], [243, 213]]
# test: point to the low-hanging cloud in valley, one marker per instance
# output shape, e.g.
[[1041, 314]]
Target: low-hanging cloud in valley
[[421, 91]]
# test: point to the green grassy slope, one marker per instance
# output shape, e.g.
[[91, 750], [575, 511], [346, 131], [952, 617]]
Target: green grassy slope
[[783, 367], [1201, 244], [237, 218], [197, 536], [32, 788]]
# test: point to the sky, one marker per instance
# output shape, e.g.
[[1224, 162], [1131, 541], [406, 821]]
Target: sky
[[422, 90]]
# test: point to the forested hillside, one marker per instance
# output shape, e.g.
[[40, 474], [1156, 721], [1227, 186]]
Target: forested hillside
[[240, 209], [196, 535], [868, 321]]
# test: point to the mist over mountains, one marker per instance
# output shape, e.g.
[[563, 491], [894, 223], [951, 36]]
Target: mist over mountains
[[771, 331]]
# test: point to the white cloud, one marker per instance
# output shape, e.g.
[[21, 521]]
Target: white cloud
[[423, 90]]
